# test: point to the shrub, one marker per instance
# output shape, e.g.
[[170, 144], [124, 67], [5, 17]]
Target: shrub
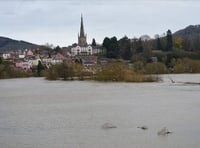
[[8, 71], [155, 68], [120, 72], [50, 74], [64, 71], [111, 72], [186, 66], [138, 66]]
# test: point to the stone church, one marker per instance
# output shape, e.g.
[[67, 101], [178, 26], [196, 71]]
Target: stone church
[[82, 49]]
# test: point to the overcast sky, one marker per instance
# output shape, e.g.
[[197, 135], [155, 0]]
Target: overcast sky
[[58, 21]]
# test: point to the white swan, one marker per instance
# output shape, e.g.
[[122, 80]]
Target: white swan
[[164, 131]]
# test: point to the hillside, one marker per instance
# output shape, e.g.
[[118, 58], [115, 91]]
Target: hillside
[[191, 32], [7, 44]]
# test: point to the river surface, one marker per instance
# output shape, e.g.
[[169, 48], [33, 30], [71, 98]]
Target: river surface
[[36, 113]]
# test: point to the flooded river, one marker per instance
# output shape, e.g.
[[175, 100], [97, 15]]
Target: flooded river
[[36, 113]]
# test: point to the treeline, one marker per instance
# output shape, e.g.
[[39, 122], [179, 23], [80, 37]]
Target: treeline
[[126, 48], [115, 71], [120, 71], [156, 55], [184, 65]]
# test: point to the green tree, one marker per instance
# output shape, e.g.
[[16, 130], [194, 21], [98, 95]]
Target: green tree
[[125, 48], [57, 49], [158, 44], [139, 46], [112, 47], [169, 45], [106, 42], [136, 45], [93, 42], [40, 67]]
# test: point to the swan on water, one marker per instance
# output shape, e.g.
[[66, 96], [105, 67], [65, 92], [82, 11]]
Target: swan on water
[[164, 131]]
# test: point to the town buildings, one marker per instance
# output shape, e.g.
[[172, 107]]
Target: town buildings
[[81, 51]]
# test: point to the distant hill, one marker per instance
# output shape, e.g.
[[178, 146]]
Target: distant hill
[[7, 44], [191, 32]]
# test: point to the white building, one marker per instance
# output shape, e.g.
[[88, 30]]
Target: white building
[[6, 56], [81, 50]]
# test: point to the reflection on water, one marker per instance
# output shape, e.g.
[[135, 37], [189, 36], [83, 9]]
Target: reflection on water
[[45, 114]]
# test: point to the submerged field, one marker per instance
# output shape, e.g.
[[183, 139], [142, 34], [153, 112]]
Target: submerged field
[[38, 113]]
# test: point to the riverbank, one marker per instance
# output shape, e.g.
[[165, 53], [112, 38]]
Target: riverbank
[[112, 72], [115, 71]]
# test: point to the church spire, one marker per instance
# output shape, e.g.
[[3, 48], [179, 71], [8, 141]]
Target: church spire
[[82, 37], [82, 34]]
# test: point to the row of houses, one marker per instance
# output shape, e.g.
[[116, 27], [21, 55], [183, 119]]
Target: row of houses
[[29, 59]]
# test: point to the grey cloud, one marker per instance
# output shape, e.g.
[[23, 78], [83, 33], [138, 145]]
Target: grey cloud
[[58, 21]]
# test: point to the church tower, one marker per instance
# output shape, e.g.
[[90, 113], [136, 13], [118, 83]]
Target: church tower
[[82, 49], [82, 41]]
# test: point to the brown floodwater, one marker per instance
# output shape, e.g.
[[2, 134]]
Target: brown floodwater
[[36, 113]]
